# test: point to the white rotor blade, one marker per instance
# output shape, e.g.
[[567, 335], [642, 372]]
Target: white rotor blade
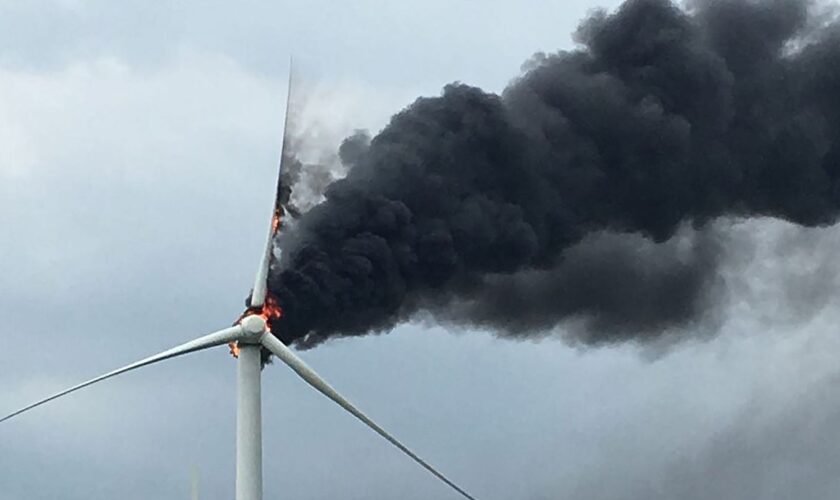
[[261, 280], [286, 355], [211, 340]]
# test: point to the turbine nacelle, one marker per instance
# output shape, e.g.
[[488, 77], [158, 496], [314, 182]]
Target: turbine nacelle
[[254, 327]]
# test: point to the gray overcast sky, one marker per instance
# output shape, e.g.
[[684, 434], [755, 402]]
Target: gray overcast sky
[[137, 160]]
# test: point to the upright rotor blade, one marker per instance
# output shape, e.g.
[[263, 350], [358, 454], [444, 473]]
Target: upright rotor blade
[[261, 280], [207, 341], [285, 354]]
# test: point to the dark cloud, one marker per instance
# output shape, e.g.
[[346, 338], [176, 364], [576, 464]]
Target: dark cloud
[[613, 283], [470, 204], [770, 449]]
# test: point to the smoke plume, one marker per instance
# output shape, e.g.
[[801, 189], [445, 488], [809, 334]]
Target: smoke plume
[[559, 199]]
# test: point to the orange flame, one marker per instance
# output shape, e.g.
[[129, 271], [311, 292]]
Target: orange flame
[[276, 220], [271, 310], [234, 349]]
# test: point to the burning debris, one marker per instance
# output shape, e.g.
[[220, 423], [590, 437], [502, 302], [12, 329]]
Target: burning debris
[[662, 118]]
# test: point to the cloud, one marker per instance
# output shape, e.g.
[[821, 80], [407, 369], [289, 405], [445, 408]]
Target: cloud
[[390, 44]]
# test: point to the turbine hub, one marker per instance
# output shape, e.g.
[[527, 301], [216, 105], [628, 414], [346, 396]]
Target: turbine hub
[[253, 325]]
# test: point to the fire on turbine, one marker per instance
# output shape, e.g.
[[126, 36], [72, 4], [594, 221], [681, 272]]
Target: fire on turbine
[[270, 310]]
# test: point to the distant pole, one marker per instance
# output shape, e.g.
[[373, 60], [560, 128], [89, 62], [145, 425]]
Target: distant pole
[[194, 483], [248, 424]]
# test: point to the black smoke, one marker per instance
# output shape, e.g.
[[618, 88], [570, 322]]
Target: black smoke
[[502, 210]]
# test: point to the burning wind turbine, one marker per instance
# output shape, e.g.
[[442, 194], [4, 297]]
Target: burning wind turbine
[[247, 337]]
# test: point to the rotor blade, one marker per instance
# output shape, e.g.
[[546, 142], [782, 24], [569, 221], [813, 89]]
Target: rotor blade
[[286, 355], [211, 340], [261, 280]]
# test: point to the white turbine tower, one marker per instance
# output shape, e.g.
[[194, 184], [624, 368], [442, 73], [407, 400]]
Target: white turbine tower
[[248, 336]]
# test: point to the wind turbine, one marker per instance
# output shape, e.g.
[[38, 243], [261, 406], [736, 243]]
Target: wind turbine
[[247, 337]]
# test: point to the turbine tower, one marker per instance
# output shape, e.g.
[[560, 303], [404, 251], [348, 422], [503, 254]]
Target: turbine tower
[[247, 337]]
